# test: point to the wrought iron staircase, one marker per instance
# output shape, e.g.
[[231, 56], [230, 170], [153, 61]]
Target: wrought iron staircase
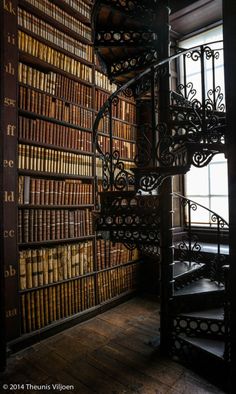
[[182, 128]]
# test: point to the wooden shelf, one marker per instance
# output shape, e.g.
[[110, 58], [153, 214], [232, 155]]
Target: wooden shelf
[[116, 138], [72, 11], [40, 64], [57, 283], [42, 174], [60, 325], [120, 265], [57, 48], [53, 22], [28, 245], [121, 97], [56, 97], [54, 147], [33, 115], [28, 206]]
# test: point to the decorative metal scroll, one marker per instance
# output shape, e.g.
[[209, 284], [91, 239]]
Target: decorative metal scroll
[[194, 133], [190, 250], [124, 37], [135, 7], [134, 62]]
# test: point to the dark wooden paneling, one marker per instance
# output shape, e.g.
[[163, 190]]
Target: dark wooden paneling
[[195, 16]]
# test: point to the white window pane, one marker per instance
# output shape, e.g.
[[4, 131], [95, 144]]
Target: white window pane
[[219, 158], [200, 215], [197, 181], [218, 179], [220, 206]]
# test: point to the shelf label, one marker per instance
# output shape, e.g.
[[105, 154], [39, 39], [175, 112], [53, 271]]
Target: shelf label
[[11, 129], [9, 69], [10, 272], [8, 163], [8, 6], [11, 313], [9, 196], [11, 38], [9, 102], [9, 233]]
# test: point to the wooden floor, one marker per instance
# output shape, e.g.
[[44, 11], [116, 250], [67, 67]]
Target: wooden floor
[[113, 353]]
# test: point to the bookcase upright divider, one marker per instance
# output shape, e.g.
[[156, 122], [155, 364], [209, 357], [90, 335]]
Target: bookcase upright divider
[[55, 271]]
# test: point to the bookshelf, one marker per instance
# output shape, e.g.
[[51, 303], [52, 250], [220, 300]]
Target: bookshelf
[[63, 272]]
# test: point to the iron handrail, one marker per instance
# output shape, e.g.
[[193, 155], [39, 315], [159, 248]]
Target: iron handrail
[[222, 221], [131, 82]]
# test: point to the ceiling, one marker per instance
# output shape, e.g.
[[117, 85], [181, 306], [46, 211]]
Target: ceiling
[[188, 16]]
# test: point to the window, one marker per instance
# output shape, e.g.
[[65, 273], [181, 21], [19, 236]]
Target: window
[[207, 186]]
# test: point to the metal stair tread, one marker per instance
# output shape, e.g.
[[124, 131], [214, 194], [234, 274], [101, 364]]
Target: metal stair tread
[[212, 346], [210, 247], [214, 314], [181, 268], [200, 286]]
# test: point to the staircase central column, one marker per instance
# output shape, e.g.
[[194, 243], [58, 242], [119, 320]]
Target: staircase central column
[[166, 189]]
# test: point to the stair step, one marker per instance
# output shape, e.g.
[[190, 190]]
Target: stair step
[[182, 268], [210, 247], [211, 346], [198, 287], [214, 314]]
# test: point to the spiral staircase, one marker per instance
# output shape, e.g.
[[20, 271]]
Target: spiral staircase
[[183, 128]]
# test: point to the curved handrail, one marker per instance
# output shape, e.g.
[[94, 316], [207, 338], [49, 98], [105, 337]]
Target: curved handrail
[[151, 68], [222, 221]]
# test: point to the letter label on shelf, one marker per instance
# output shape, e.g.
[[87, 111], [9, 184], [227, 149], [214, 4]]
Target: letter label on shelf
[[11, 128], [9, 196], [8, 163], [10, 272], [7, 4], [11, 313], [9, 69], [9, 102], [11, 38], [9, 233]]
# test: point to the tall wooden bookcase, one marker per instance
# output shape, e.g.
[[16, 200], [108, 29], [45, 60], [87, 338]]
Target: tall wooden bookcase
[[54, 270]]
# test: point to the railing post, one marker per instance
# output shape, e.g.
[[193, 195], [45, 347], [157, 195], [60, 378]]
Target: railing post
[[189, 233], [153, 105], [203, 86], [111, 145]]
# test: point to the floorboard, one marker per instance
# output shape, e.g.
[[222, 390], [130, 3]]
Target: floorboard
[[113, 353]]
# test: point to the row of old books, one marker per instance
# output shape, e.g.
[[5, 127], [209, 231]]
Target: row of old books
[[126, 149], [53, 57], [119, 174], [36, 158], [47, 105], [80, 6], [56, 84], [41, 191], [109, 254], [43, 266], [53, 35], [112, 283], [39, 225], [121, 109], [46, 132], [63, 18], [44, 306], [125, 131], [103, 82]]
